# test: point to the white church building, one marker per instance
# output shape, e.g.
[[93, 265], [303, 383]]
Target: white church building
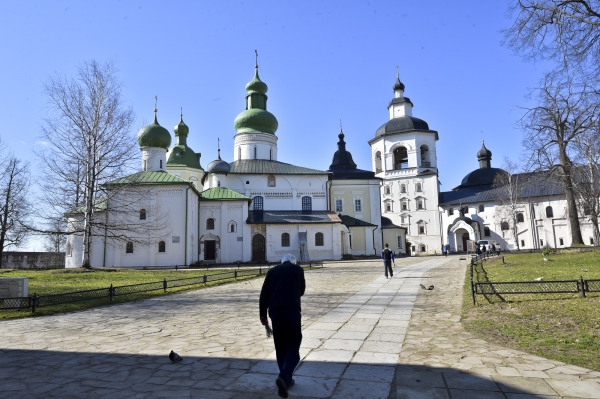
[[256, 208]]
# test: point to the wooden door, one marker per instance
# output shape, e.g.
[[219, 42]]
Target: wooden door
[[210, 250], [258, 247]]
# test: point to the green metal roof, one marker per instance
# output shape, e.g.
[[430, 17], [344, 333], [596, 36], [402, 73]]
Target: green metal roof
[[222, 194], [183, 156], [158, 177], [99, 206]]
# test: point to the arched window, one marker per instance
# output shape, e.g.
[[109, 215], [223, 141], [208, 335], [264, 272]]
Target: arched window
[[258, 203], [418, 187], [160, 164], [210, 224], [69, 249], [405, 206], [319, 240], [549, 212], [481, 208], [422, 248], [403, 188], [142, 214], [271, 181], [520, 218], [420, 204], [232, 227], [388, 190], [399, 242], [129, 248], [161, 246], [388, 207], [504, 225], [239, 153], [425, 156], [400, 158], [378, 167], [285, 240], [306, 203], [270, 154], [486, 231], [421, 229], [255, 153]]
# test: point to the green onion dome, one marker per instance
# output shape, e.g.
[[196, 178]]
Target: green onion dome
[[256, 118], [154, 135], [256, 121], [181, 128]]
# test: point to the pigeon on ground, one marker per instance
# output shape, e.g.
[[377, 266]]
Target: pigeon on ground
[[430, 287], [539, 279], [546, 259], [174, 357], [422, 286]]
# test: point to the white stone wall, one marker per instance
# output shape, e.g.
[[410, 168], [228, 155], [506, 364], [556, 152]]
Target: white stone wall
[[255, 146]]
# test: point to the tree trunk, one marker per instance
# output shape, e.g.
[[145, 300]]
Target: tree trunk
[[565, 166]]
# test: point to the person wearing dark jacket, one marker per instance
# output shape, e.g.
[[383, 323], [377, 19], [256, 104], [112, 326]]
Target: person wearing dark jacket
[[280, 295], [388, 257]]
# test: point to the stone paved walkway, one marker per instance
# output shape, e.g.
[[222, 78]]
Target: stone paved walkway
[[365, 336]]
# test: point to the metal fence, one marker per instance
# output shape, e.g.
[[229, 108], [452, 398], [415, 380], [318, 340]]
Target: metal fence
[[579, 286], [38, 301]]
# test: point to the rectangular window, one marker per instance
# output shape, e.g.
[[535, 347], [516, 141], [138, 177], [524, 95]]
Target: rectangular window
[[561, 241], [338, 206], [522, 243], [357, 205], [450, 211], [541, 243], [421, 229], [591, 241], [486, 231], [399, 242]]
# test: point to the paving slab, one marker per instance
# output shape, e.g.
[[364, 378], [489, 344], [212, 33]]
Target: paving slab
[[365, 336]]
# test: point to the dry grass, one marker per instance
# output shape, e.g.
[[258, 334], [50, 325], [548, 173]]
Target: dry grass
[[563, 327]]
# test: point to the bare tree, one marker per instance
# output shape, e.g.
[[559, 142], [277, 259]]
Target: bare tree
[[15, 208], [88, 142], [566, 31], [510, 187], [567, 110], [586, 177]]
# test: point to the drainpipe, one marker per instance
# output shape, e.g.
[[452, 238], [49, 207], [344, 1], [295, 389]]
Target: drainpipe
[[380, 212], [105, 233], [186, 225], [198, 226], [373, 232]]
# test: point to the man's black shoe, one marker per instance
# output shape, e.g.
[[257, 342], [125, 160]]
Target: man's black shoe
[[283, 388]]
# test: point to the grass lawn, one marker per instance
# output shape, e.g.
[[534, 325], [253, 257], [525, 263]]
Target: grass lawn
[[563, 327], [68, 280]]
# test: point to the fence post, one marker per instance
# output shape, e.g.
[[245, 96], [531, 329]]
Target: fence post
[[33, 302], [235, 274], [110, 293], [204, 279], [165, 285], [260, 271], [582, 286], [472, 286]]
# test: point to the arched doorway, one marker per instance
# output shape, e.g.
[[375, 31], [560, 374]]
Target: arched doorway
[[258, 247]]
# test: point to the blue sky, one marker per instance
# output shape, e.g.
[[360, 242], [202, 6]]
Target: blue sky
[[322, 60]]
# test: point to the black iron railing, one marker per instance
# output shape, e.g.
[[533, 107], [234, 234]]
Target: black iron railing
[[38, 301], [579, 286]]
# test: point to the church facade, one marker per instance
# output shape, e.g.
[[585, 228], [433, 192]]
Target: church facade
[[254, 208]]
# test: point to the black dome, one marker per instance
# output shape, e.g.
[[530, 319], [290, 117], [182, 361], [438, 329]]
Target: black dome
[[401, 124], [483, 176]]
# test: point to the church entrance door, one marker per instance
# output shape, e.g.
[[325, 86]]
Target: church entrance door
[[465, 238], [210, 250], [258, 247]]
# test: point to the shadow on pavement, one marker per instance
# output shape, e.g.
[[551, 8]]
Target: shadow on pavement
[[51, 374]]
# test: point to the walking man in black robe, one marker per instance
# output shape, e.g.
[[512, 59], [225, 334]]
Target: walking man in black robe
[[280, 295]]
